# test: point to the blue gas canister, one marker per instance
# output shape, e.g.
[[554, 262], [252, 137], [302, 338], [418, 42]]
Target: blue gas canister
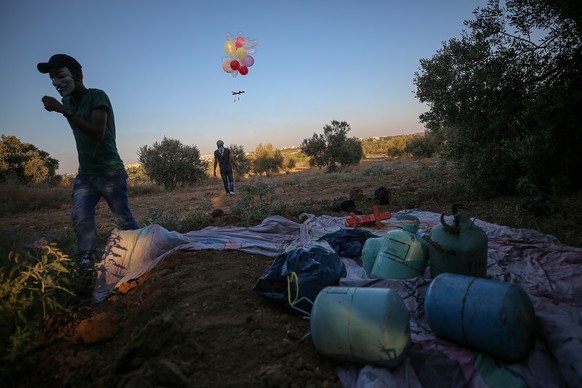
[[487, 315], [361, 324]]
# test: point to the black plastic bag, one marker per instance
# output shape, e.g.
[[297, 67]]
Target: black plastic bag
[[297, 276], [348, 242], [382, 196]]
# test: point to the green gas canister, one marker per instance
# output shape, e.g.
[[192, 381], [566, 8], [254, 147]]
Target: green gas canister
[[404, 253], [460, 247], [362, 324], [370, 252]]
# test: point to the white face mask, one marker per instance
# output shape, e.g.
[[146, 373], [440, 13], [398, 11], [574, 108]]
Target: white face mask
[[63, 81]]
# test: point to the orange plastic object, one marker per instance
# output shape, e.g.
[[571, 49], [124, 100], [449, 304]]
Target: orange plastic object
[[376, 217]]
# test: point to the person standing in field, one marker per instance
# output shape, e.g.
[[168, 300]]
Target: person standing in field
[[223, 158], [101, 172]]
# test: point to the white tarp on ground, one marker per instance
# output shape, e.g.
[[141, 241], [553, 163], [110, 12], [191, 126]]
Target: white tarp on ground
[[547, 270], [131, 253]]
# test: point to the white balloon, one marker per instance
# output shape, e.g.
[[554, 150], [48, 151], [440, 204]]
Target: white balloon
[[250, 43]]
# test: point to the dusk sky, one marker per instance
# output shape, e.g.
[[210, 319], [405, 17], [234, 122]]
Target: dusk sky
[[160, 62]]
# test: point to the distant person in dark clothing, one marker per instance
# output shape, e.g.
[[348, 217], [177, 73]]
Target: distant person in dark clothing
[[223, 158], [101, 171]]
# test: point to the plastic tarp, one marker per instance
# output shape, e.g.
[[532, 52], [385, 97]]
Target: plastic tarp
[[549, 271], [131, 253]]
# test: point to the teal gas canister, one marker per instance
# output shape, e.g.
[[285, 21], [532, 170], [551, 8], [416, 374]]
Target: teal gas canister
[[460, 247], [494, 317], [361, 324], [370, 252], [404, 253]]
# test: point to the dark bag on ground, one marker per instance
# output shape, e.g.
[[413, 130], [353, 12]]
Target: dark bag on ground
[[348, 242], [345, 205], [382, 196], [300, 274], [541, 205]]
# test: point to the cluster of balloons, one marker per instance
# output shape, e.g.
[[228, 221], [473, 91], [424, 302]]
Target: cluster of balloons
[[239, 52]]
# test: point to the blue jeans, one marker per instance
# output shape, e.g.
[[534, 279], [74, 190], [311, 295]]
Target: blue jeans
[[227, 179], [87, 191]]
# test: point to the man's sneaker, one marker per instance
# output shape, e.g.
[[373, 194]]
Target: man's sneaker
[[86, 265], [232, 193], [86, 268]]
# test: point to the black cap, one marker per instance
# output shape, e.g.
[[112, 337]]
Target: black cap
[[57, 61]]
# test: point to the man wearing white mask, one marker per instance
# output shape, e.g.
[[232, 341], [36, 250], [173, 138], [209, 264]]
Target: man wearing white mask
[[101, 171]]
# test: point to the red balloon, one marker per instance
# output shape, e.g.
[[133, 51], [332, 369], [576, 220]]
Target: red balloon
[[235, 65], [240, 41], [243, 70]]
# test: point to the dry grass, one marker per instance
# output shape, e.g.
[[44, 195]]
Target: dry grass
[[32, 213], [16, 198]]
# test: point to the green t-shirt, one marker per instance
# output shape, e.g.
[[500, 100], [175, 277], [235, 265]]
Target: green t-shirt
[[95, 157]]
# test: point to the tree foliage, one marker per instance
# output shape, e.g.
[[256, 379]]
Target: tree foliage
[[267, 160], [421, 146], [289, 163], [24, 163], [504, 98], [170, 163], [136, 174], [333, 148], [397, 146], [417, 145], [243, 163]]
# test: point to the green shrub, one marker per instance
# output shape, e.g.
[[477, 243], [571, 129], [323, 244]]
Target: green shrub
[[34, 283], [333, 149], [192, 220], [421, 146], [377, 170], [170, 163], [396, 146], [243, 163], [267, 160], [257, 201]]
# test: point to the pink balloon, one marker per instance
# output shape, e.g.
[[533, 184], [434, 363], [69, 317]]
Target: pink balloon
[[239, 42], [248, 61], [226, 67], [234, 65]]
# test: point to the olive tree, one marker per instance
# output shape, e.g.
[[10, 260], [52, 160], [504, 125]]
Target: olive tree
[[504, 98], [171, 163], [267, 160], [242, 161], [333, 148], [24, 163]]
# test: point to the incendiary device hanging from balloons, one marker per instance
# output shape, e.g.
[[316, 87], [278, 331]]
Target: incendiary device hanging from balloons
[[240, 50]]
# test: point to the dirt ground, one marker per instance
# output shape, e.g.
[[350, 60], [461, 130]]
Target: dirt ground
[[194, 320]]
